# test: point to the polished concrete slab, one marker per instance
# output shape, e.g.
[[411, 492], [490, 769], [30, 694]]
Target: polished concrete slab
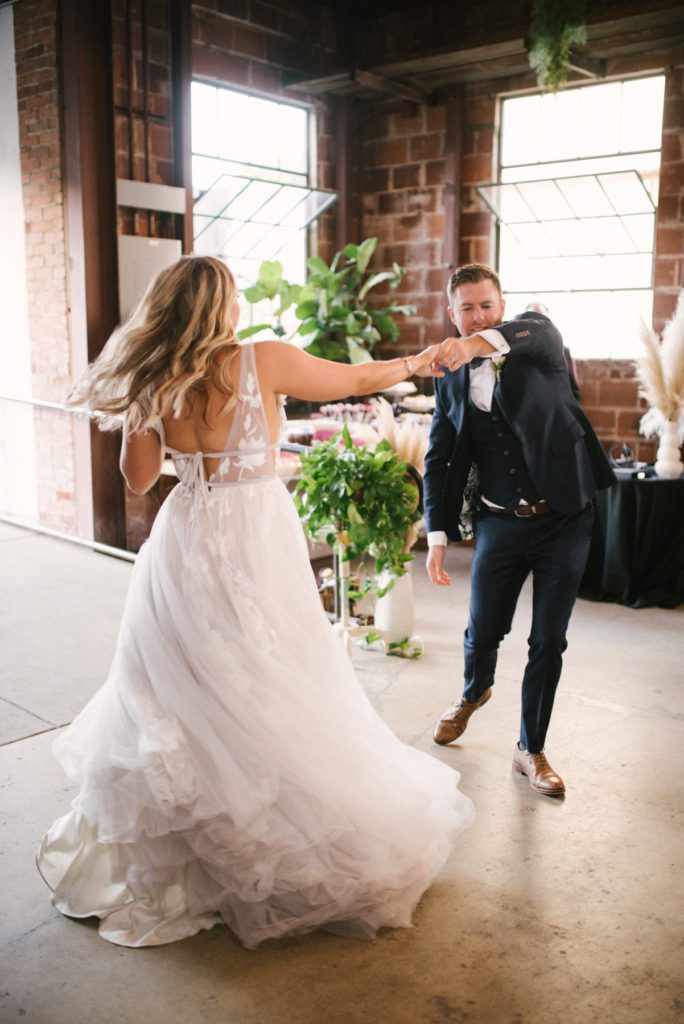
[[552, 912]]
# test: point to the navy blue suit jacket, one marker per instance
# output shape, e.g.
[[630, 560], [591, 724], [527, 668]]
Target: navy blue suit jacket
[[562, 454]]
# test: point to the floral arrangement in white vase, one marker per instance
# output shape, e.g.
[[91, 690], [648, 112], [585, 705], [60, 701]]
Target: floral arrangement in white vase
[[661, 374]]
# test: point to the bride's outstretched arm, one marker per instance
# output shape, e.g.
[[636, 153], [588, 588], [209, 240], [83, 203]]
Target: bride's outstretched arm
[[285, 369], [141, 460]]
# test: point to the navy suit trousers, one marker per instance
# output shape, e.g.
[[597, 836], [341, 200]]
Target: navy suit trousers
[[554, 548]]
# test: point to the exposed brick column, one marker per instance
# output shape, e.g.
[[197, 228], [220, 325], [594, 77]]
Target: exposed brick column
[[669, 250], [38, 93], [477, 224], [401, 161]]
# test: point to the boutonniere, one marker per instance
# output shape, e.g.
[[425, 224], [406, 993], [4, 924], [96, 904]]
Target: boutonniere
[[498, 366]]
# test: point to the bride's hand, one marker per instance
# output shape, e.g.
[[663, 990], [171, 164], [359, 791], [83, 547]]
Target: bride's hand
[[425, 363]]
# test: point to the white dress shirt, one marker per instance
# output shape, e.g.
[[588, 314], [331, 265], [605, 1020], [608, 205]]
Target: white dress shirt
[[482, 384]]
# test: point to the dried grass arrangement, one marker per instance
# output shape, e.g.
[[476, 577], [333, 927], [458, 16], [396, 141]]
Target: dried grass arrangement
[[408, 440], [661, 375]]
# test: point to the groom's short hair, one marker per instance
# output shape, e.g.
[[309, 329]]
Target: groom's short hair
[[472, 273]]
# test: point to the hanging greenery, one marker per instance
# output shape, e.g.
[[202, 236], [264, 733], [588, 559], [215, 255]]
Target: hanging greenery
[[557, 26]]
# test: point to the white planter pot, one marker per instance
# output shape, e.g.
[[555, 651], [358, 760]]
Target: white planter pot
[[668, 461], [395, 612]]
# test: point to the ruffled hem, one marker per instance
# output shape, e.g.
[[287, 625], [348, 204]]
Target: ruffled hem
[[90, 878]]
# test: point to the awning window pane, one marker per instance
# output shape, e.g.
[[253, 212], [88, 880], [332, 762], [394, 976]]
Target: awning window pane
[[214, 238], [217, 198], [252, 199], [245, 238], [506, 202], [268, 247], [545, 200], [533, 239], [609, 235], [307, 211], [585, 196], [626, 192], [570, 237], [282, 204], [640, 229]]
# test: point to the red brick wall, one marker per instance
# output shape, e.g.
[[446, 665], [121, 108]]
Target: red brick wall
[[611, 401], [38, 93], [400, 172], [669, 256]]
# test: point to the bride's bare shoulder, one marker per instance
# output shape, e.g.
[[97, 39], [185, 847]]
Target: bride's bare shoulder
[[271, 356]]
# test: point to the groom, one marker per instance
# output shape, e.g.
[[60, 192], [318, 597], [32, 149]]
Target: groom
[[507, 429]]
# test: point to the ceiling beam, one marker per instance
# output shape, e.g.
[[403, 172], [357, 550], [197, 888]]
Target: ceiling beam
[[348, 82], [592, 67]]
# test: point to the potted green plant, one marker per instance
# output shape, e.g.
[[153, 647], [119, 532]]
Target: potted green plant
[[363, 501], [332, 311]]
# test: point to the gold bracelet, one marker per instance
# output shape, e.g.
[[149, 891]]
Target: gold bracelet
[[407, 364]]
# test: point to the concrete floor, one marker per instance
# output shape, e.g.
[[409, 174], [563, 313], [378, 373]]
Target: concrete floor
[[549, 912]]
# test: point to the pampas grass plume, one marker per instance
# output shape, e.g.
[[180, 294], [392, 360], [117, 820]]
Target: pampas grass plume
[[661, 373]]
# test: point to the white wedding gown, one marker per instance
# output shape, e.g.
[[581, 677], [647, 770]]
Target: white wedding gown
[[231, 769]]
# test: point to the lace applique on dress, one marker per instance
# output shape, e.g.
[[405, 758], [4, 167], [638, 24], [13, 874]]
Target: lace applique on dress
[[248, 453]]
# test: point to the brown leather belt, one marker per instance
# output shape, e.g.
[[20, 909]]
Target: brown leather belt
[[521, 511]]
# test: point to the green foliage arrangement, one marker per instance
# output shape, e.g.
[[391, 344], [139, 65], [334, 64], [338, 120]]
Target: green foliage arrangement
[[271, 285], [360, 498], [556, 27], [331, 307]]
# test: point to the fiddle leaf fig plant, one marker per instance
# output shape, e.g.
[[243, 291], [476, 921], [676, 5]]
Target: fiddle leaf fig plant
[[362, 499], [271, 285], [334, 319]]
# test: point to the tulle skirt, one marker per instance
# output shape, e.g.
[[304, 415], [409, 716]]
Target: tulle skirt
[[231, 769]]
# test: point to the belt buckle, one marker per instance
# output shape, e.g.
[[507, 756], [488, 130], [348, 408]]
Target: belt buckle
[[523, 515]]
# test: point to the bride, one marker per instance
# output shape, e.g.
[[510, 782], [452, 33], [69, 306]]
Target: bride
[[231, 769]]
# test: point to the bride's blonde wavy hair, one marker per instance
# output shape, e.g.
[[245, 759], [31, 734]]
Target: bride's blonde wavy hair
[[161, 359]]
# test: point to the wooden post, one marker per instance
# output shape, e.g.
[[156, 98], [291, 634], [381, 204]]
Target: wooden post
[[90, 205]]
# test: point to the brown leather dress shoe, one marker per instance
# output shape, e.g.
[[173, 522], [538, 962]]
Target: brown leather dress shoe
[[539, 772], [453, 722]]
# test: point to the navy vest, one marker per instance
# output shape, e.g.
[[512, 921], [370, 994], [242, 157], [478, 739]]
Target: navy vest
[[503, 475]]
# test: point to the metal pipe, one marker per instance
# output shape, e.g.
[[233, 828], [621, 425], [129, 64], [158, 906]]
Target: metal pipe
[[105, 549]]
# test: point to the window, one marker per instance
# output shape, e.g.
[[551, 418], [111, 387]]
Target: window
[[251, 181], [575, 202]]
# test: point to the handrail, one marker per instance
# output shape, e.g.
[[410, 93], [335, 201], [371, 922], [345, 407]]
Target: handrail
[[42, 403], [104, 549]]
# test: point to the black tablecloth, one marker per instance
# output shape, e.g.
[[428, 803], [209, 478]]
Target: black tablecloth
[[637, 548]]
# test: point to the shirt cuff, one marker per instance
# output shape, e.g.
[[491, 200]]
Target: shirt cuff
[[437, 539], [496, 339]]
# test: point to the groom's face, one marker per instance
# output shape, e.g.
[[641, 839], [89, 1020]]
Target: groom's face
[[475, 307]]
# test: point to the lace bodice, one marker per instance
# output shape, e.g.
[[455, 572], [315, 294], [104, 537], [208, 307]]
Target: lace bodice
[[248, 453]]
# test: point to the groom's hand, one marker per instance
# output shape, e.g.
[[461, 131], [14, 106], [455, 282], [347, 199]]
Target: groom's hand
[[455, 352], [435, 566]]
